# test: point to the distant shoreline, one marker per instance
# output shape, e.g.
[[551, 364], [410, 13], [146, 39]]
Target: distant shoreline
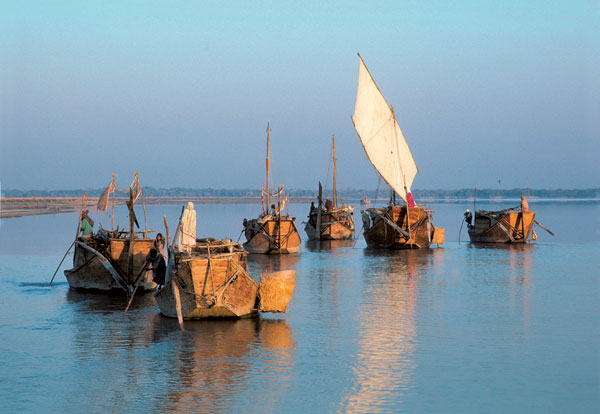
[[12, 207]]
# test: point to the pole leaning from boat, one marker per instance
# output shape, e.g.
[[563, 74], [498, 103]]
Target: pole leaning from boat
[[76, 235]]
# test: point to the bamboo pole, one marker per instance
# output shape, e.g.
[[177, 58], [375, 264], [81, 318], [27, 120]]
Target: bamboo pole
[[319, 210], [143, 204], [61, 262], [167, 231], [334, 177], [138, 280], [173, 283], [177, 303], [178, 226], [523, 219], [540, 224], [112, 216], [76, 235], [80, 215], [267, 165], [131, 239], [407, 208]]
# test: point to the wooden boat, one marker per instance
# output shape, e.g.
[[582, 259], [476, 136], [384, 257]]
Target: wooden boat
[[396, 227], [365, 202], [273, 232], [101, 262], [212, 281], [513, 225], [332, 222], [112, 260]]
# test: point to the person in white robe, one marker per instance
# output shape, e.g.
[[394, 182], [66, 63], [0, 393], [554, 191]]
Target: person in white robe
[[187, 234]]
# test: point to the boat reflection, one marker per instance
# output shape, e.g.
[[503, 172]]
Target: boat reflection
[[384, 365], [327, 245], [107, 303], [517, 261], [213, 361], [261, 263], [524, 247]]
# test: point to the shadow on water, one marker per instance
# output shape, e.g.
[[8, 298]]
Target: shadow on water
[[104, 302], [213, 361]]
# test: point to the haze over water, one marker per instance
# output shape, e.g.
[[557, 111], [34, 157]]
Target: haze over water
[[461, 328]]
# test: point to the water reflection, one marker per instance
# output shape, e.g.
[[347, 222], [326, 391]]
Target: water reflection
[[261, 263], [107, 302], [384, 366], [327, 245], [511, 266], [216, 360]]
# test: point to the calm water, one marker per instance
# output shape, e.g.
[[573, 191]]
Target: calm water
[[457, 329]]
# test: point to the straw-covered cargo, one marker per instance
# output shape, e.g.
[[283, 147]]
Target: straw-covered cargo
[[276, 289]]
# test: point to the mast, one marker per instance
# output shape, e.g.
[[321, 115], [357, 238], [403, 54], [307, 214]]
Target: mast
[[334, 184], [112, 218], [267, 164]]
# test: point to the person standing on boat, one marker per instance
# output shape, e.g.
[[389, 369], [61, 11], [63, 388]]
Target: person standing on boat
[[86, 224], [159, 245], [187, 235]]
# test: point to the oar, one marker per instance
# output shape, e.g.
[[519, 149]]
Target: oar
[[460, 231], [173, 284], [240, 236], [140, 277], [61, 262], [356, 239], [76, 235], [539, 224], [177, 303]]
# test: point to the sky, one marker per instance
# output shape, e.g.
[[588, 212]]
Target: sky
[[182, 91]]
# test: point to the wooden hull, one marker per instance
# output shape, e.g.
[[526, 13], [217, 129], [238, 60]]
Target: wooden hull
[[88, 273], [219, 287], [334, 226], [392, 228], [272, 236], [501, 227]]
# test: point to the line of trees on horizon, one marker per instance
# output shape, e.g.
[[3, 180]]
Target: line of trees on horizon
[[346, 194]]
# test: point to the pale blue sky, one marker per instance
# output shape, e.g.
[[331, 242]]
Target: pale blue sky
[[182, 91]]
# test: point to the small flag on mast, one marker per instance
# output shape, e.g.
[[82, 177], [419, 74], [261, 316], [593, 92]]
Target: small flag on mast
[[103, 201], [135, 188]]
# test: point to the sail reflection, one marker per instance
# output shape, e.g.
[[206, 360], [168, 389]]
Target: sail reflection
[[384, 365]]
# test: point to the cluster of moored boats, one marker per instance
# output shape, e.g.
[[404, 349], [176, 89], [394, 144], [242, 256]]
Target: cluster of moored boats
[[208, 278]]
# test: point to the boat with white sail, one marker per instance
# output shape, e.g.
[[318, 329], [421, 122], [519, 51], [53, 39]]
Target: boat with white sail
[[408, 226]]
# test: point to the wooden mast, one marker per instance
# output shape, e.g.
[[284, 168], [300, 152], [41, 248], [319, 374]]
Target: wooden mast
[[267, 164], [131, 241], [319, 210], [112, 218], [334, 183], [523, 219], [137, 179]]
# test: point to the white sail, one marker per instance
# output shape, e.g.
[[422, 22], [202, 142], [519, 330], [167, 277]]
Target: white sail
[[380, 135]]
